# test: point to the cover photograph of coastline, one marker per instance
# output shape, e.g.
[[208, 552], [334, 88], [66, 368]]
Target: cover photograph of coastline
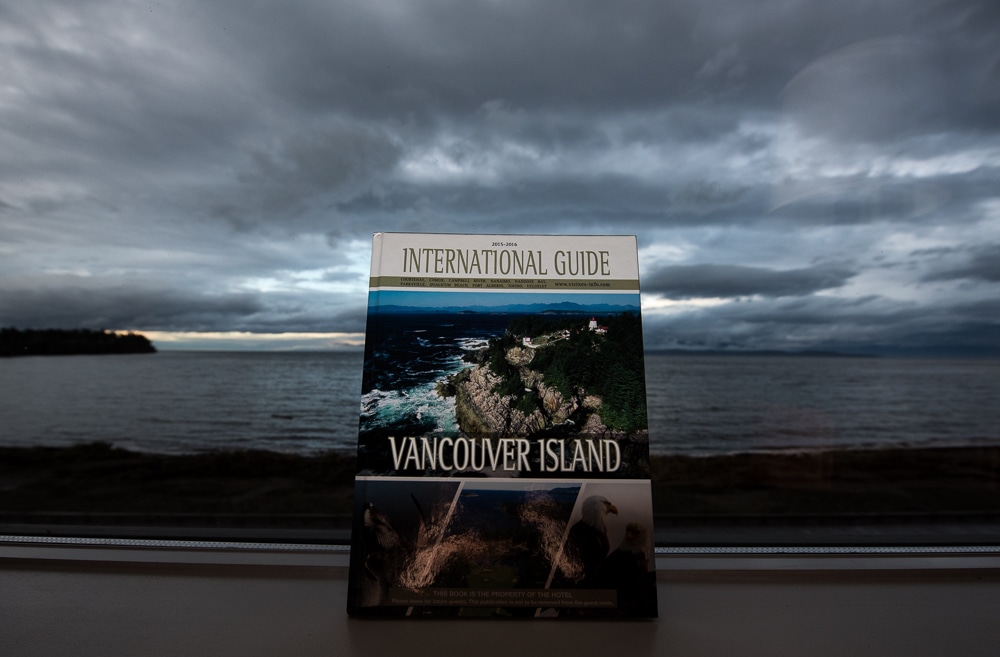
[[507, 366]]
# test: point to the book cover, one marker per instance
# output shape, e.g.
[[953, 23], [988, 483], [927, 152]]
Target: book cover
[[503, 447]]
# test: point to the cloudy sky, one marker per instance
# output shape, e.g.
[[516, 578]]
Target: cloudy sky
[[800, 175]]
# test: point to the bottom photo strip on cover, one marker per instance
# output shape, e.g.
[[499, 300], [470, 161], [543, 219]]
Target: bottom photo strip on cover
[[502, 547]]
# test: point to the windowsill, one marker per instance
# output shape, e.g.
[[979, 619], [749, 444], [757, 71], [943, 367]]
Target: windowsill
[[669, 559], [191, 598]]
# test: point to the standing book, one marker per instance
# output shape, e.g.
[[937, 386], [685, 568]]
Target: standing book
[[503, 446]]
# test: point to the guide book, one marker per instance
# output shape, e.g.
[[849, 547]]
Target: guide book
[[503, 446]]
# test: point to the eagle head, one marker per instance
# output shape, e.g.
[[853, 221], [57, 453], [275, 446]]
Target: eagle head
[[595, 510]]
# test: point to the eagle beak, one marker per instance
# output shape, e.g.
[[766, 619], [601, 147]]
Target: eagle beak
[[612, 508]]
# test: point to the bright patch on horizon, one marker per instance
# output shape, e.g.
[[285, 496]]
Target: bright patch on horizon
[[236, 340]]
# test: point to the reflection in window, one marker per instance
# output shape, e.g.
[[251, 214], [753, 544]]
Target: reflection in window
[[813, 189]]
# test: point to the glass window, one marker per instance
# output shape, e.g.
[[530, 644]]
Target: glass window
[[813, 188]]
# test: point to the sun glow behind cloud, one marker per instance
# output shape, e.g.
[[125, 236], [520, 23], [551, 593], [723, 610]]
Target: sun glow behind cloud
[[245, 341]]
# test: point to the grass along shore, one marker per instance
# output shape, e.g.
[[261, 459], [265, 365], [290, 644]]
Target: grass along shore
[[96, 478]]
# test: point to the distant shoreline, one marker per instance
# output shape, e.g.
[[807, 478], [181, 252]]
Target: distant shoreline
[[759, 352], [71, 342], [893, 354]]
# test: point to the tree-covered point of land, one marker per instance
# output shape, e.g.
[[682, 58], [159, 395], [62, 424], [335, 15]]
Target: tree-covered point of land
[[63, 342], [608, 364]]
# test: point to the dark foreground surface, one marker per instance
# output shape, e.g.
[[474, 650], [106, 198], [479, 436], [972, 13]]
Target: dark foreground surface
[[96, 484], [87, 601]]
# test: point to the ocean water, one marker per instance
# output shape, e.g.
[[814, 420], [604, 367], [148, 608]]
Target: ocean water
[[727, 404], [174, 402], [399, 395]]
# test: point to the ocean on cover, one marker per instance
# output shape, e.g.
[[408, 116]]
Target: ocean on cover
[[503, 444]]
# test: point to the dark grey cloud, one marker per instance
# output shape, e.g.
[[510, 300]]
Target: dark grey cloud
[[881, 89], [711, 280], [72, 303], [860, 199], [807, 323], [521, 207], [76, 303], [868, 325], [221, 166], [331, 162], [451, 57], [984, 265], [704, 196]]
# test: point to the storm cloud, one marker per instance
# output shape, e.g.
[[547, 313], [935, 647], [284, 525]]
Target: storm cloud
[[700, 281], [798, 174]]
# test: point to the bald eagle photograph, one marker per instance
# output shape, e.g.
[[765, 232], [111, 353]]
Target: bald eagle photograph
[[587, 543], [608, 551], [629, 571]]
